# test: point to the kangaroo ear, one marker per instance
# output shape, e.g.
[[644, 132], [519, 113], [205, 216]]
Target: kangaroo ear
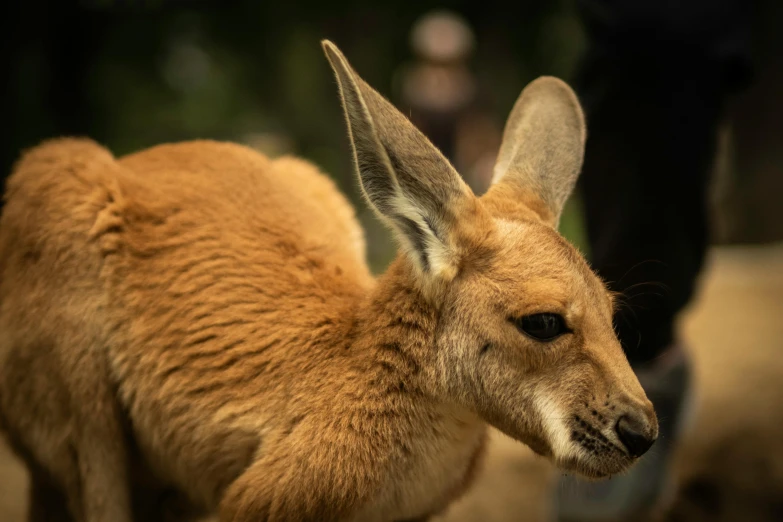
[[542, 150], [404, 177]]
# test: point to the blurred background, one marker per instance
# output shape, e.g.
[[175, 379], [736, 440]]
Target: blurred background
[[132, 74]]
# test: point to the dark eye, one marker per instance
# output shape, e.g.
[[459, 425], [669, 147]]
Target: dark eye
[[542, 327]]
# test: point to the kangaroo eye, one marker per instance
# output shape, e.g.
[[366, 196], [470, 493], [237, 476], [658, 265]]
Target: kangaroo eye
[[542, 327]]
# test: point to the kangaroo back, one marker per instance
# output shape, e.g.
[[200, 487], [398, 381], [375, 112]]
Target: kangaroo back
[[84, 237]]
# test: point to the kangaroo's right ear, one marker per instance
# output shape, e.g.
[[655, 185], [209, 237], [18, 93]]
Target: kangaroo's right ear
[[403, 176]]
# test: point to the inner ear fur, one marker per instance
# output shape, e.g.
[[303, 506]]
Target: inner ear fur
[[406, 180]]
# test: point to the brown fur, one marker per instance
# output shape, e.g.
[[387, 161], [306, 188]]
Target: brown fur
[[198, 318]]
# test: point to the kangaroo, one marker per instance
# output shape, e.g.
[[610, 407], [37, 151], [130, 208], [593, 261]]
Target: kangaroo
[[201, 318]]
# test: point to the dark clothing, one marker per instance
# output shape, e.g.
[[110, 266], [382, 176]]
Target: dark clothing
[[653, 84]]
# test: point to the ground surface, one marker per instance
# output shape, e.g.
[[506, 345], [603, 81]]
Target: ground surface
[[730, 467]]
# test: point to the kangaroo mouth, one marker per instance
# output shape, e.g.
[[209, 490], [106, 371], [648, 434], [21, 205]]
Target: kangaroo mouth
[[589, 465], [596, 455], [592, 440], [586, 461]]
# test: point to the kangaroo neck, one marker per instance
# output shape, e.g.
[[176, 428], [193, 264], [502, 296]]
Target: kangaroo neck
[[397, 327]]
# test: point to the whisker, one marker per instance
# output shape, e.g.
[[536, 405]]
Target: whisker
[[637, 265]]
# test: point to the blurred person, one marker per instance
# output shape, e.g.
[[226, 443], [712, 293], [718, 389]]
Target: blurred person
[[443, 96], [653, 83]]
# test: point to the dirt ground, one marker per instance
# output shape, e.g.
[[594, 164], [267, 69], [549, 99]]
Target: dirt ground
[[729, 467]]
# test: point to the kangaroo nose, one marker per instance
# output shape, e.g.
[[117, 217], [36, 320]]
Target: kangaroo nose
[[637, 436]]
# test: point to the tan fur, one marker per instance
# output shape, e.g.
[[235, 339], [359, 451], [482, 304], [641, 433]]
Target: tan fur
[[197, 318]]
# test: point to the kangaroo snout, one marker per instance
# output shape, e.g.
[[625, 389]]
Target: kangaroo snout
[[637, 431]]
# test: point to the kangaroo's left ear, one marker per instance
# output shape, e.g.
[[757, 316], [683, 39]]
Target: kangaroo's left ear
[[408, 182], [542, 150]]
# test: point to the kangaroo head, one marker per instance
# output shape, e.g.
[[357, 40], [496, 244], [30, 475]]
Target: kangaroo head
[[524, 335]]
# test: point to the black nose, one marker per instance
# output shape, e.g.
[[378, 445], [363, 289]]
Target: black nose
[[635, 435]]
